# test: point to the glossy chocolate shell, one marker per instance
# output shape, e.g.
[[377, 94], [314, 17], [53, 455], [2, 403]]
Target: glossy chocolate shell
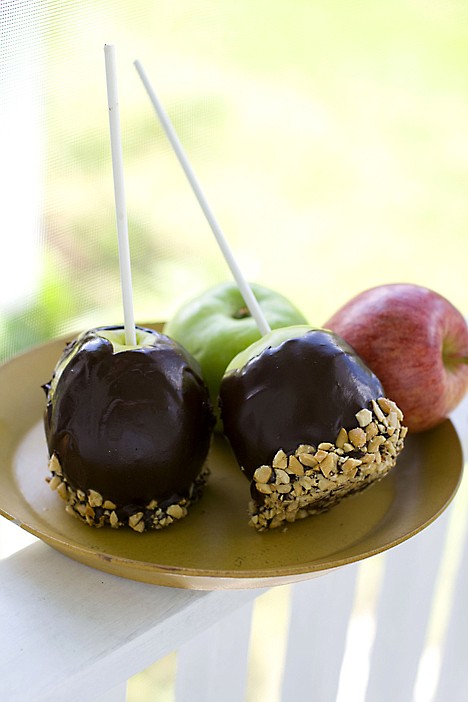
[[301, 391], [134, 425]]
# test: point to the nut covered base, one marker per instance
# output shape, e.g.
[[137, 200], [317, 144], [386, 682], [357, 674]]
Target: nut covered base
[[314, 479], [93, 509]]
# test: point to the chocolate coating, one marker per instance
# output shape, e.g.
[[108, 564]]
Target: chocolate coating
[[299, 392], [134, 425]]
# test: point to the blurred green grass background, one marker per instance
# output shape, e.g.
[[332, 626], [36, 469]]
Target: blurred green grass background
[[331, 140]]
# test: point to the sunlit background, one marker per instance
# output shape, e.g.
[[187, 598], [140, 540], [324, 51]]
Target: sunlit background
[[331, 140]]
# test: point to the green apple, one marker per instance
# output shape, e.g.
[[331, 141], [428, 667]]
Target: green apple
[[216, 325], [269, 341]]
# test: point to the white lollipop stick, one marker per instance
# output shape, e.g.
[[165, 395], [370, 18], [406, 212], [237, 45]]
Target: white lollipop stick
[[244, 287], [119, 195]]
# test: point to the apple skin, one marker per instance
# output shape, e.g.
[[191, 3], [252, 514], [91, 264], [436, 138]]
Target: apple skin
[[270, 341], [216, 325], [416, 342]]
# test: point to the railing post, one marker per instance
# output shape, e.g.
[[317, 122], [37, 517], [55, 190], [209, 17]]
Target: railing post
[[213, 665]]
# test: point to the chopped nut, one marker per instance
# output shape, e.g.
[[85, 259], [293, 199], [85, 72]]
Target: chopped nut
[[386, 405], [135, 519], [294, 466], [263, 474], [348, 447], [352, 462], [324, 484], [320, 455], [325, 446], [281, 477], [94, 498], [364, 417], [55, 482], [304, 448], [328, 465], [107, 504], [175, 511], [284, 488], [62, 491], [297, 488], [113, 519], [275, 523], [89, 512], [371, 430], [54, 465], [342, 438], [350, 467], [357, 437], [308, 460], [305, 482], [264, 488], [377, 411], [393, 419], [280, 460], [375, 443]]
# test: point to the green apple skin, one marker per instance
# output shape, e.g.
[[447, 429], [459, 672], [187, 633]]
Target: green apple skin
[[145, 338], [269, 341], [215, 326]]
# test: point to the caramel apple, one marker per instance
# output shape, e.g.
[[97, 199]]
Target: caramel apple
[[308, 422], [128, 429]]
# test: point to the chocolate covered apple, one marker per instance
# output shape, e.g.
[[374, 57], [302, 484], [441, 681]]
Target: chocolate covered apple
[[128, 429], [308, 422]]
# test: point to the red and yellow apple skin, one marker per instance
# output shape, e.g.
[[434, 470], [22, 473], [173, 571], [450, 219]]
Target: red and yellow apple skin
[[416, 342]]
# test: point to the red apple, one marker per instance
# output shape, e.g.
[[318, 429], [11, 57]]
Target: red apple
[[416, 342]]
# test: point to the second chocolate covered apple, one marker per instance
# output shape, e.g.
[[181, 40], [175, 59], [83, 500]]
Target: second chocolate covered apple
[[309, 423]]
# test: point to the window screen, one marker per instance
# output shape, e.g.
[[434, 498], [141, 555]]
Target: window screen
[[330, 139]]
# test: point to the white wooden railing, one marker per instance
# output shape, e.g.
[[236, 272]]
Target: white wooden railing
[[393, 628]]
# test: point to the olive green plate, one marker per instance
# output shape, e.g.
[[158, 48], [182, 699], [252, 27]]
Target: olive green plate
[[213, 547]]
